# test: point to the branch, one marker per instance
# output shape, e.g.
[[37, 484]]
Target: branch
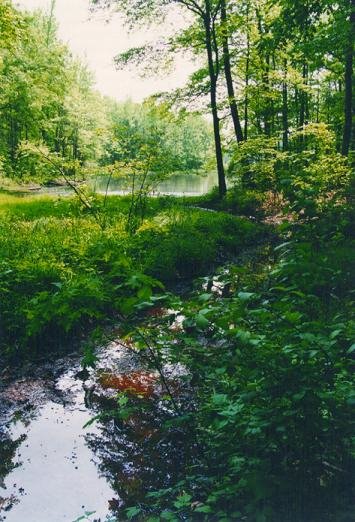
[[80, 195], [216, 11], [193, 6]]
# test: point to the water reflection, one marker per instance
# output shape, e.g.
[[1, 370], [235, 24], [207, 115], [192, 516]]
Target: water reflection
[[54, 475], [56, 470], [176, 185]]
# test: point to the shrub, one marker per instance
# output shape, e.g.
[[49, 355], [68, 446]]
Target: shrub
[[245, 202], [271, 369], [238, 200]]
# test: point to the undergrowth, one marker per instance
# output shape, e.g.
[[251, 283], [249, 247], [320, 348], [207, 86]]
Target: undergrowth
[[269, 352], [62, 273]]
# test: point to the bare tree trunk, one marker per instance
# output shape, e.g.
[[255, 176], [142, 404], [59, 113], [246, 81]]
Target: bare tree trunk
[[348, 131], [213, 74], [228, 74]]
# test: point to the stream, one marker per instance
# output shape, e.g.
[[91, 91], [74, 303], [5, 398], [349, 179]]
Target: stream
[[52, 467]]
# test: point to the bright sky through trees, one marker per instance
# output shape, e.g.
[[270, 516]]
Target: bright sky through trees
[[91, 38]]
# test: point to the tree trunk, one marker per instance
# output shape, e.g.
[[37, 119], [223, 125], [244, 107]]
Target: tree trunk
[[247, 63], [348, 130], [268, 110], [318, 105], [304, 97], [265, 60], [228, 74], [285, 109], [213, 74]]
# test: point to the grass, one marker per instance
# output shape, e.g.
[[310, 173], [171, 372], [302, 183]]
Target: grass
[[61, 274], [34, 207]]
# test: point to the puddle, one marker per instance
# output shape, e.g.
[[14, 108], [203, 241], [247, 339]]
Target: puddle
[[53, 474], [55, 477], [52, 469]]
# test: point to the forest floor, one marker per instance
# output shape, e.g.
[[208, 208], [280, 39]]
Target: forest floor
[[48, 398], [112, 418]]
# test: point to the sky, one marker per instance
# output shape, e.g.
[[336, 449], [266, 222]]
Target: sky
[[91, 38]]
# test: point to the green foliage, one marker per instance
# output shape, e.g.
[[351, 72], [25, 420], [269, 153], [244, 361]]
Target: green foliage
[[238, 200], [61, 117], [32, 163], [61, 274], [181, 250], [310, 176], [254, 162], [172, 142], [148, 144], [268, 345], [271, 366], [11, 25], [315, 176]]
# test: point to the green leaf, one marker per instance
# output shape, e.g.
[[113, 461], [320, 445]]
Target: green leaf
[[203, 509], [183, 501], [145, 293], [132, 512], [204, 297], [168, 515], [201, 321], [335, 334], [245, 296]]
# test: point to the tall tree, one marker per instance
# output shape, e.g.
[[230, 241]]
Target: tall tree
[[205, 12], [348, 132], [228, 73]]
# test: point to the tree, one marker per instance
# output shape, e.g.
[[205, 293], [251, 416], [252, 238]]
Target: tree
[[146, 144], [348, 132], [205, 13], [228, 73], [62, 116]]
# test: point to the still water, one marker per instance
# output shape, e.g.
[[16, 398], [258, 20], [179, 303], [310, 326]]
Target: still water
[[55, 473], [55, 468], [176, 185]]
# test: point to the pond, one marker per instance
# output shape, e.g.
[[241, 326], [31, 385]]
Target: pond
[[176, 185]]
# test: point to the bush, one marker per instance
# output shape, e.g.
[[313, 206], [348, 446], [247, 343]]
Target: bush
[[316, 177], [191, 242], [271, 369], [311, 175], [254, 164], [238, 200], [245, 202]]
